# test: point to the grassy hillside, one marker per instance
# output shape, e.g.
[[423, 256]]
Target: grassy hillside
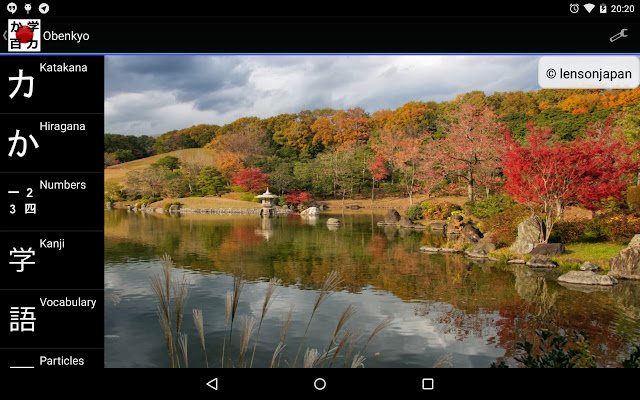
[[226, 201], [117, 173]]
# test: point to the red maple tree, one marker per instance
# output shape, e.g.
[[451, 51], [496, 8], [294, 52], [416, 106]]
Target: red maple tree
[[297, 198], [549, 175], [250, 179], [378, 171]]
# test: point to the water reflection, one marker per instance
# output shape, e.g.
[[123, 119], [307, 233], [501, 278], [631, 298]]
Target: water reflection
[[441, 304]]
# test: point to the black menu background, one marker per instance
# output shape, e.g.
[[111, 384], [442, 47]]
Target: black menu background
[[75, 215]]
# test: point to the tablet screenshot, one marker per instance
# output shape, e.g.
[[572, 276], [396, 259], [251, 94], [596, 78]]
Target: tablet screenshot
[[255, 201]]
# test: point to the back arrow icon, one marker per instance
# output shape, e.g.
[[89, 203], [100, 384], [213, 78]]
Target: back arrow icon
[[5, 34], [213, 384]]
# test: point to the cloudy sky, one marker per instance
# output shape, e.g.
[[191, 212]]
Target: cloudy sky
[[154, 94]]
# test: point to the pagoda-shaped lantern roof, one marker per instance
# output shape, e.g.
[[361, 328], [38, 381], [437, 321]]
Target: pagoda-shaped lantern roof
[[267, 195]]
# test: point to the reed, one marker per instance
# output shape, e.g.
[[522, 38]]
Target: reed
[[284, 329], [330, 284], [311, 357], [346, 315], [269, 296], [184, 348], [198, 320], [379, 328], [445, 361], [247, 331], [231, 308], [275, 359], [170, 291], [358, 361]]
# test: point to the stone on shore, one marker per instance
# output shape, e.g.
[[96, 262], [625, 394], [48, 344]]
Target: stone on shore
[[587, 278], [530, 233], [392, 217], [588, 266], [626, 264], [541, 262], [310, 212], [548, 249]]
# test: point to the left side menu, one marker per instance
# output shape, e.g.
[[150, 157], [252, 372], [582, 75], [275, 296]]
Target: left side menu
[[51, 228]]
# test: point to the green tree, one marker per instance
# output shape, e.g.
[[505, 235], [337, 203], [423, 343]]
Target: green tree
[[124, 155], [169, 162], [212, 182]]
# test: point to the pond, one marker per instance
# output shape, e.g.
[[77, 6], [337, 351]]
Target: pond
[[444, 310]]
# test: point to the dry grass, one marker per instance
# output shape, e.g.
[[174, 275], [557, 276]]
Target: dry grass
[[330, 284], [399, 203], [358, 361], [172, 294], [268, 299], [248, 328], [170, 291], [184, 348], [284, 329], [445, 361], [117, 173], [198, 320], [311, 358], [381, 326], [346, 315], [207, 202], [275, 359], [232, 300]]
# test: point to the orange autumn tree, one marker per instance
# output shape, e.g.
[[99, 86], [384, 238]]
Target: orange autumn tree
[[352, 125], [472, 147]]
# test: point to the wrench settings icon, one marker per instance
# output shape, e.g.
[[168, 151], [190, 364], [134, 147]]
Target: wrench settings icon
[[621, 34]]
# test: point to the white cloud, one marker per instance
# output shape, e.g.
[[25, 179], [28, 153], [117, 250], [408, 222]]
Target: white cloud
[[151, 95]]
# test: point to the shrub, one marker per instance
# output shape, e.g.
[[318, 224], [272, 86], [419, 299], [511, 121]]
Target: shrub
[[438, 210], [503, 227], [633, 198], [620, 228], [414, 212], [555, 350], [298, 198], [149, 200], [249, 197], [490, 206], [167, 206], [581, 230]]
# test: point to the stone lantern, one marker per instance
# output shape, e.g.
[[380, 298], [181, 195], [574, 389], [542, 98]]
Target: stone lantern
[[268, 201]]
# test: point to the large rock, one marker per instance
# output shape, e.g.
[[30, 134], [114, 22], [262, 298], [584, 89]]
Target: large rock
[[310, 212], [626, 264], [587, 278], [392, 217], [405, 222], [635, 241], [481, 249], [334, 222], [429, 249], [588, 266], [476, 253], [548, 249], [471, 233], [541, 262], [530, 233]]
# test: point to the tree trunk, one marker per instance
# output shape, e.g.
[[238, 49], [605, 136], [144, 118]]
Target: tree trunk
[[470, 187], [638, 179], [373, 188]]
